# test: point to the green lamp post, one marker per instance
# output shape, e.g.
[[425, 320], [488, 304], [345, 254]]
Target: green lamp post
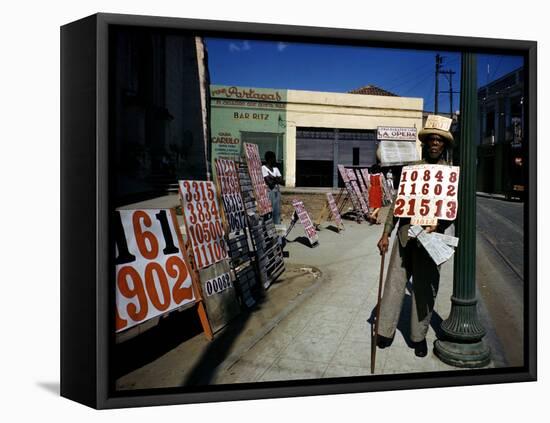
[[463, 344]]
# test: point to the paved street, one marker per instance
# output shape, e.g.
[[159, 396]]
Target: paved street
[[500, 265]]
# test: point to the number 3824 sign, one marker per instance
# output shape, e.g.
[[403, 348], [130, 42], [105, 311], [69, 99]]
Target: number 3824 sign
[[427, 193]]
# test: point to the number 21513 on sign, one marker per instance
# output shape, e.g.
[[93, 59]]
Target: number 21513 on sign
[[427, 193]]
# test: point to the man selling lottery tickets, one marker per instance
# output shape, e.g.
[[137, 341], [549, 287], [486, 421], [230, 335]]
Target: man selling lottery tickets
[[409, 257]]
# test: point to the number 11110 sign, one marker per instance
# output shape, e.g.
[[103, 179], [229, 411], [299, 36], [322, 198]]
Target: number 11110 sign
[[427, 193]]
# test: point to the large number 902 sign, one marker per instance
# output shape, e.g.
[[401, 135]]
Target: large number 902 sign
[[427, 193], [152, 273]]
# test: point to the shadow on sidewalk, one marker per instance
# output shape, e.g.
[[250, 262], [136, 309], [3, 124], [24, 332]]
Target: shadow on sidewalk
[[176, 353], [333, 228], [301, 240], [218, 349], [404, 323], [155, 342]]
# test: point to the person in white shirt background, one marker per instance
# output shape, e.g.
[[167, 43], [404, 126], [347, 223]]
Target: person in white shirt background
[[273, 179]]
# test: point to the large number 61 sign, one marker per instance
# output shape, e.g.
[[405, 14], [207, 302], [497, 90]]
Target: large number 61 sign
[[152, 272], [427, 193]]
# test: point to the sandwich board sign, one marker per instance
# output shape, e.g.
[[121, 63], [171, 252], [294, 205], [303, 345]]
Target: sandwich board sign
[[301, 213], [334, 211]]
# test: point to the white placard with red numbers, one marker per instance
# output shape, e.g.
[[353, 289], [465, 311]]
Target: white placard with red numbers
[[203, 222], [427, 193], [334, 210], [255, 170], [233, 203], [152, 272], [343, 173], [310, 231]]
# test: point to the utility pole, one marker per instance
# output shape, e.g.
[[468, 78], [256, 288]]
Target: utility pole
[[449, 74], [438, 61]]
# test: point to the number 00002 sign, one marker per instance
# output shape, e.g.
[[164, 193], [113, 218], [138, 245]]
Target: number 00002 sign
[[152, 275], [427, 193]]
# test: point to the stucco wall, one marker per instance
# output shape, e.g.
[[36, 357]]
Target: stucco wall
[[233, 113], [344, 111]]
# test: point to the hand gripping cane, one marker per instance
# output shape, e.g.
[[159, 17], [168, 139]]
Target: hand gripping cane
[[374, 327]]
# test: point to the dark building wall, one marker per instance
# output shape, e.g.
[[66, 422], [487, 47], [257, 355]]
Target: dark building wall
[[156, 113], [500, 151]]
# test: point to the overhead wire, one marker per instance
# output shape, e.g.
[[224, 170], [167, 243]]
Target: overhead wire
[[418, 75]]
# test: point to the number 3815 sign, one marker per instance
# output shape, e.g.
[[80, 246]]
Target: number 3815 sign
[[427, 193], [202, 220]]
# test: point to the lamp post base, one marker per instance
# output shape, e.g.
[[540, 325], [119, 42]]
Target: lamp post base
[[466, 355]]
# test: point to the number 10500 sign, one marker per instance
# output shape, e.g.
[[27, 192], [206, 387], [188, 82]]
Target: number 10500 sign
[[203, 223], [428, 191]]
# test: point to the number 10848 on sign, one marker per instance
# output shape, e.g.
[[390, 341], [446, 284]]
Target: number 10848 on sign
[[427, 193]]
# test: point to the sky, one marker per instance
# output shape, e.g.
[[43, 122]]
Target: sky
[[321, 67]]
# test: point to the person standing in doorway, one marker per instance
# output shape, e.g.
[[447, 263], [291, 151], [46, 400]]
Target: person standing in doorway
[[273, 179]]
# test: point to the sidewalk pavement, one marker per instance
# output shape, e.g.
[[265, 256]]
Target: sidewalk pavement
[[314, 323], [327, 334]]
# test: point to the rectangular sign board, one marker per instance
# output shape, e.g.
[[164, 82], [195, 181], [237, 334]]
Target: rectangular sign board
[[427, 193], [355, 200], [398, 152], [153, 275], [396, 133], [303, 215], [203, 222], [334, 211], [233, 204], [255, 170]]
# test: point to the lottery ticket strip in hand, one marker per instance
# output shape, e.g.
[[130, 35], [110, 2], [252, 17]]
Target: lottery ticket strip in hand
[[438, 246]]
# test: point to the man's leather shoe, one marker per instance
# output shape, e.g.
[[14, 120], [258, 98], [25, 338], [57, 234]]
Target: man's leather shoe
[[383, 342], [421, 348]]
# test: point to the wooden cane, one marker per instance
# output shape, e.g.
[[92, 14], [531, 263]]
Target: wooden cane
[[374, 337]]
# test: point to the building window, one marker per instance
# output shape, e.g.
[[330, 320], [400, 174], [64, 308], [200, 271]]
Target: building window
[[355, 156]]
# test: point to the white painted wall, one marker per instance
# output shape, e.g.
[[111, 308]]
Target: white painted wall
[[345, 111]]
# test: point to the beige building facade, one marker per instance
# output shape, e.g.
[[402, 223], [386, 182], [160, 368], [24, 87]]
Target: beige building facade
[[308, 109], [313, 132]]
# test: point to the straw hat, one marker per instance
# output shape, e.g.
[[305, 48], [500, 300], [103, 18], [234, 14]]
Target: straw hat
[[437, 125]]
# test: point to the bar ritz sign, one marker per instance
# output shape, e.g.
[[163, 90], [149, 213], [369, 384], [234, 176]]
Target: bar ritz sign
[[396, 133]]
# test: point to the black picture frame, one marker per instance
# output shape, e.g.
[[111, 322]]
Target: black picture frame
[[85, 205]]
